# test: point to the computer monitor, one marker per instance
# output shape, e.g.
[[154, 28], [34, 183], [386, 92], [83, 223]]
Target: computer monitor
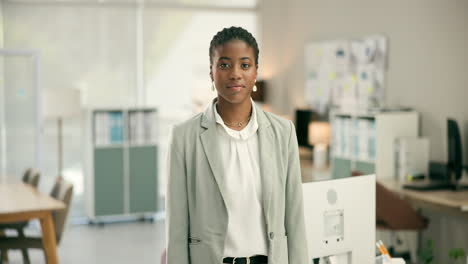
[[340, 220], [303, 118], [454, 149], [445, 176]]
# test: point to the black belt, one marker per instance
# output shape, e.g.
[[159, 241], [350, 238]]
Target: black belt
[[249, 260]]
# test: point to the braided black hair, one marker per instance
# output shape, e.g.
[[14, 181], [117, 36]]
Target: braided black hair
[[233, 33]]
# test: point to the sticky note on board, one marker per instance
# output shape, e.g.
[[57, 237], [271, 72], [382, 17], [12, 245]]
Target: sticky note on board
[[370, 89], [332, 76]]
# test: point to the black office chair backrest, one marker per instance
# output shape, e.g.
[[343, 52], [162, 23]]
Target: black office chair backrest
[[32, 176]]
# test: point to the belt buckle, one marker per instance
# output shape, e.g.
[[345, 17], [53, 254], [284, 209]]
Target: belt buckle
[[247, 258]]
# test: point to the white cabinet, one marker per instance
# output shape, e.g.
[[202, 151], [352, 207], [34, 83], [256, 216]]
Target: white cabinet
[[366, 142]]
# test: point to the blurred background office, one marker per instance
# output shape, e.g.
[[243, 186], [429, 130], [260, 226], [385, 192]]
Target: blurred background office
[[70, 66]]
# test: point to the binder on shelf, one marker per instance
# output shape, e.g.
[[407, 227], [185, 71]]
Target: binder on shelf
[[141, 126], [341, 129], [357, 138], [345, 139], [336, 138], [364, 142], [149, 126], [115, 127], [132, 124], [101, 122]]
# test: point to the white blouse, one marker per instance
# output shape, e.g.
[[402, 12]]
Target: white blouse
[[246, 234]]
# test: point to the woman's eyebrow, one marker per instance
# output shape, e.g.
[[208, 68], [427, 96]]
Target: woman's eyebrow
[[224, 58], [245, 58]]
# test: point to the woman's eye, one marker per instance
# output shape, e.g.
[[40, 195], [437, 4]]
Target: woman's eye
[[245, 66], [224, 65]]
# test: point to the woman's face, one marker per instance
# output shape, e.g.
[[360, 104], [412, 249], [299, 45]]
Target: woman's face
[[234, 71]]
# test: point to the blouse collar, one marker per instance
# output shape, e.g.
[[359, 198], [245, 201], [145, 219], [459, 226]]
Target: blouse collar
[[243, 134]]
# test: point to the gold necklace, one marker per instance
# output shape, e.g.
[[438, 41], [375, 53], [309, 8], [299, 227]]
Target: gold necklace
[[237, 124]]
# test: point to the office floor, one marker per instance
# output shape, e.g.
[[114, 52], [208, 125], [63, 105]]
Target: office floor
[[117, 243]]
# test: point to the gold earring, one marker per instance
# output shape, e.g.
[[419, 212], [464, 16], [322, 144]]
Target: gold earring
[[255, 87], [213, 86]]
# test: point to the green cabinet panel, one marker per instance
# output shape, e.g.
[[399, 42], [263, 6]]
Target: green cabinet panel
[[143, 179], [341, 168], [108, 181], [365, 167]]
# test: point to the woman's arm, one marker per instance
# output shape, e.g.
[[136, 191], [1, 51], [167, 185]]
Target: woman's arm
[[177, 217], [294, 218]]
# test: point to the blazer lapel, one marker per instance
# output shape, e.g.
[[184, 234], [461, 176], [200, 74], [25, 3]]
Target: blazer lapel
[[266, 143], [212, 152]]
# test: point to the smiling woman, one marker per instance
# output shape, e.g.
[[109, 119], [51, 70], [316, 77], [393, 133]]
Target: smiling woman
[[234, 185]]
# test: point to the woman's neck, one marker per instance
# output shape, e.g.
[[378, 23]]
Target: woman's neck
[[234, 113]]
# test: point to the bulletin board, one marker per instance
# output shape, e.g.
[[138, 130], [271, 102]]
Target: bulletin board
[[346, 74]]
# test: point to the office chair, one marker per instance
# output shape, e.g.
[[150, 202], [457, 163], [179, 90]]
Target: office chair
[[31, 176], [62, 191], [395, 214]]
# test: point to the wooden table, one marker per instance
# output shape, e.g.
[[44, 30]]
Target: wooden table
[[453, 202], [21, 202], [309, 173]]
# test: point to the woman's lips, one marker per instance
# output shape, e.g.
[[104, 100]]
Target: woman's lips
[[235, 87]]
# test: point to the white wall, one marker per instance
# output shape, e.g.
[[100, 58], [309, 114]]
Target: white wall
[[428, 55]]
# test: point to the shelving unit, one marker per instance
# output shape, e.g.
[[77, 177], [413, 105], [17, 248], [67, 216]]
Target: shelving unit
[[121, 163], [365, 142]]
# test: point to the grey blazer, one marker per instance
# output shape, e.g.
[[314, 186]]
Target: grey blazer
[[196, 214]]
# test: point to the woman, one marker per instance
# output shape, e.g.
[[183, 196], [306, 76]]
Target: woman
[[234, 186]]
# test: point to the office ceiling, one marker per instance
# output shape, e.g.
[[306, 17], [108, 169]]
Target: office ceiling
[[163, 3]]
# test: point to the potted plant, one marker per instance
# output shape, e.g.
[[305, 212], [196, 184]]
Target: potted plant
[[457, 255]]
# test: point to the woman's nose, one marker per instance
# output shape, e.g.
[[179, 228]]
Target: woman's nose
[[235, 73]]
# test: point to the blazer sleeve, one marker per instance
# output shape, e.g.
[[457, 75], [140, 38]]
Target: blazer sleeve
[[177, 216], [294, 218]]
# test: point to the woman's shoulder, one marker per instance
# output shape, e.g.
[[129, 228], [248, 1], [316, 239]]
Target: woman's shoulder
[[188, 125], [278, 122]]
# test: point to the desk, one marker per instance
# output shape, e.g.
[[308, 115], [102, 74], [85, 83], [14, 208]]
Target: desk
[[442, 200], [309, 173], [21, 202]]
